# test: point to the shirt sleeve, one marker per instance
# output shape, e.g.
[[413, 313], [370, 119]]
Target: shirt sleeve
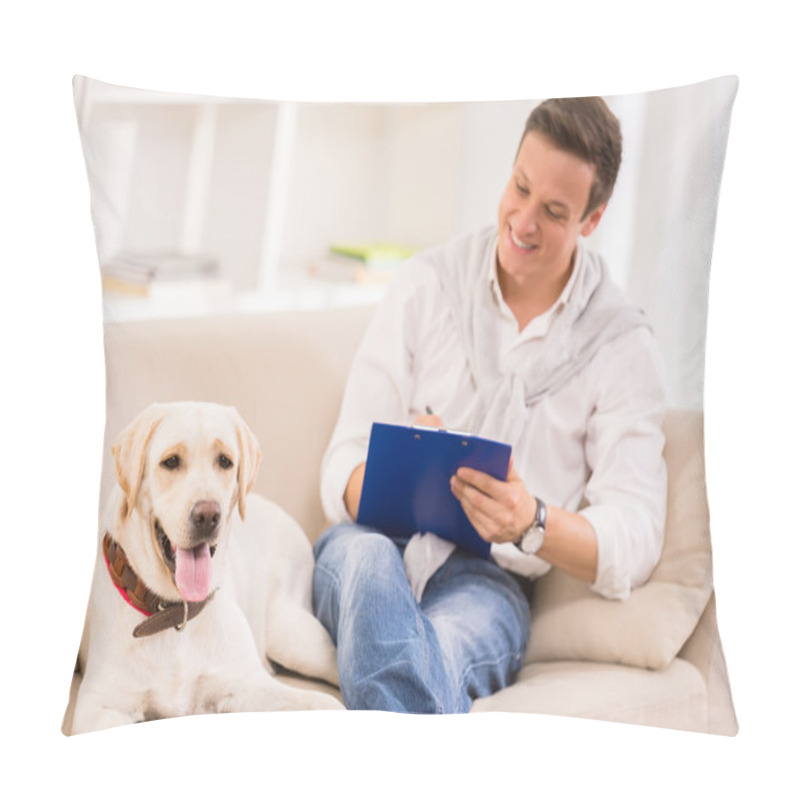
[[627, 489], [380, 382]]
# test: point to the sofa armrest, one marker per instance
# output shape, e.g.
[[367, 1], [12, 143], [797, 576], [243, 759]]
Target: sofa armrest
[[704, 650]]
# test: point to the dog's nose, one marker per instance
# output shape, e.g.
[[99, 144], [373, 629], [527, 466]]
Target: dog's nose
[[205, 517]]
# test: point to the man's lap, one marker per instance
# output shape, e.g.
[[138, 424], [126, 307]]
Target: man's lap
[[477, 611]]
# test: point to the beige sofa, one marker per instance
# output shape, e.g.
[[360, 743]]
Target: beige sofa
[[654, 659]]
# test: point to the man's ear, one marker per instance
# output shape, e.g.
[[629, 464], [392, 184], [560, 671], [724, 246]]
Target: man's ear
[[592, 220]]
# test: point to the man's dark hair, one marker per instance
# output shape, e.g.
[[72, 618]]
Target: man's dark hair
[[586, 128]]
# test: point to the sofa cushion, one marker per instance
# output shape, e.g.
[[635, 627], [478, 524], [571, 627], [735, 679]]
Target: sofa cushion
[[570, 622], [674, 697]]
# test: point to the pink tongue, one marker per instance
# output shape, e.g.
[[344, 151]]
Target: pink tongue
[[193, 572]]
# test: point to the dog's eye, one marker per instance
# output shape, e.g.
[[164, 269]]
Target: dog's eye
[[224, 462], [173, 462]]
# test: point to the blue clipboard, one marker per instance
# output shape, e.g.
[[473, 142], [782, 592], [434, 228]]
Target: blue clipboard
[[406, 487]]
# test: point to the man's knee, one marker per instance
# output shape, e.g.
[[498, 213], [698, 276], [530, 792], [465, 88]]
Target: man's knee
[[357, 557]]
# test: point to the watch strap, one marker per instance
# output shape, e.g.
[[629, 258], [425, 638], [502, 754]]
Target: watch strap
[[541, 514], [537, 527]]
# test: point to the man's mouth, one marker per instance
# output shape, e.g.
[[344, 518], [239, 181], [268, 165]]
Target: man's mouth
[[517, 243]]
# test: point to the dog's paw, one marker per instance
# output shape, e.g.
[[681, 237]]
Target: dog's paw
[[89, 720]]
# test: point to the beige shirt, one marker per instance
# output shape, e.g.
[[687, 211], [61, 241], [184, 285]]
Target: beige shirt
[[593, 446]]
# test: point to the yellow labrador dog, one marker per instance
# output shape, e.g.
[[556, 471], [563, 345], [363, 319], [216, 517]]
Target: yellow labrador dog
[[190, 602]]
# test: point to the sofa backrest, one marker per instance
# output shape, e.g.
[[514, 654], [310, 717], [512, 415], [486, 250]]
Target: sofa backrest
[[285, 372]]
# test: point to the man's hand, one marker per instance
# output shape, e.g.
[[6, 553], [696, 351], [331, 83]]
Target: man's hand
[[501, 511], [429, 421]]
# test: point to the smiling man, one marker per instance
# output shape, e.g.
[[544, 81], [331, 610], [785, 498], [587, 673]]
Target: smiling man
[[515, 332], [542, 213]]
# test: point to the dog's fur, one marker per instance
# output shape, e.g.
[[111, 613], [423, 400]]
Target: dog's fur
[[171, 458]]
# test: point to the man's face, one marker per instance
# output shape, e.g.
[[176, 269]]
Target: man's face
[[539, 219]]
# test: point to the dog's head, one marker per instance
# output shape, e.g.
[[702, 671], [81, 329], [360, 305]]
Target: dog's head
[[184, 469]]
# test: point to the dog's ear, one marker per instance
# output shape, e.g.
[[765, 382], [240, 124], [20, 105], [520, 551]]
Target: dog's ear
[[249, 460], [129, 451]]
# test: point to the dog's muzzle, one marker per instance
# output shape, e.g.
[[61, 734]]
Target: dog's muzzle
[[191, 566], [206, 532]]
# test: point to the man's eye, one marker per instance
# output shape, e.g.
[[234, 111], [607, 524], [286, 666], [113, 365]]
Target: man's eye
[[224, 462], [173, 462], [522, 190], [553, 213]]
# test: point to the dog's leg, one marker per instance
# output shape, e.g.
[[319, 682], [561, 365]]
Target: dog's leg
[[297, 641], [264, 693], [285, 698]]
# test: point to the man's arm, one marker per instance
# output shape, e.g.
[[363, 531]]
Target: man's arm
[[614, 541], [378, 387], [352, 492]]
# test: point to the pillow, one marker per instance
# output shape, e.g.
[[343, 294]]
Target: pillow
[[571, 623], [235, 239]]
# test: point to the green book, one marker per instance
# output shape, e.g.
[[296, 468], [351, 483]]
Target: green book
[[373, 254]]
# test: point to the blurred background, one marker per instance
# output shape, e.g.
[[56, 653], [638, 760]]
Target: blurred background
[[208, 205]]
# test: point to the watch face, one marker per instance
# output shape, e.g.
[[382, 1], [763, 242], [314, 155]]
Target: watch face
[[532, 540]]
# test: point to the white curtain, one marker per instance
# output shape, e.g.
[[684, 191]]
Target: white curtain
[[659, 229]]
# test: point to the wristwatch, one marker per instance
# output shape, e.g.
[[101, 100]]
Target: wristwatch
[[533, 538]]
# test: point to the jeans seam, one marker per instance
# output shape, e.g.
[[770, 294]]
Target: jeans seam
[[426, 660], [421, 630], [332, 575]]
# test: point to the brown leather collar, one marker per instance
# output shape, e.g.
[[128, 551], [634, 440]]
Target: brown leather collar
[[160, 613]]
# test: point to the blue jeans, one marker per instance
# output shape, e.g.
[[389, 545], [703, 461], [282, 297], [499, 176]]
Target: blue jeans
[[466, 639]]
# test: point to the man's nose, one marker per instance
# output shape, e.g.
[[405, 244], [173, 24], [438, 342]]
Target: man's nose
[[528, 219]]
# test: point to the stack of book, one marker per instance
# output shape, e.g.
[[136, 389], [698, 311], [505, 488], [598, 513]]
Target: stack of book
[[139, 274], [364, 262]]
